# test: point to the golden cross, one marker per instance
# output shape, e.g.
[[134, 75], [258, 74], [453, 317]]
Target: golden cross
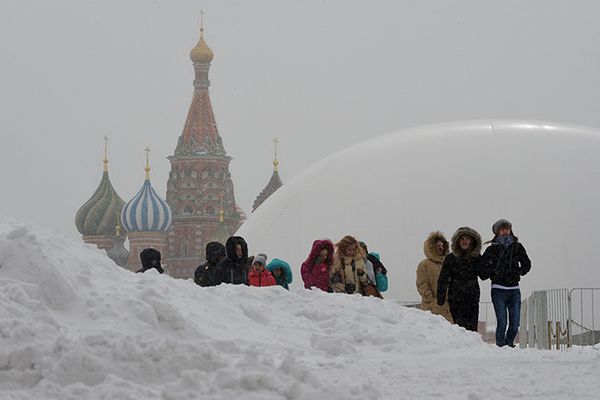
[[105, 153], [275, 162], [201, 20], [147, 169]]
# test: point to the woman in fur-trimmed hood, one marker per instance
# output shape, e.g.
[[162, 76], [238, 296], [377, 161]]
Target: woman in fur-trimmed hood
[[348, 270], [315, 270], [459, 278], [436, 248]]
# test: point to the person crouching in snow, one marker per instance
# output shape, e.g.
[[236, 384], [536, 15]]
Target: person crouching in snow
[[436, 247], [315, 269], [259, 275], [281, 271], [458, 278], [348, 271], [150, 259], [506, 261]]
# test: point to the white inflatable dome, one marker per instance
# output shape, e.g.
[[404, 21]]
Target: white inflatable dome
[[393, 190]]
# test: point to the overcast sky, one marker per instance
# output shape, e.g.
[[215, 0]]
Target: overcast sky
[[319, 75]]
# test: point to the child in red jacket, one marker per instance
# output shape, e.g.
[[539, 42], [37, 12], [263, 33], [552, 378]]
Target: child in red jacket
[[259, 275]]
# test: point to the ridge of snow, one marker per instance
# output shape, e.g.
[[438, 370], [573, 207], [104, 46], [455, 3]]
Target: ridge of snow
[[74, 325]]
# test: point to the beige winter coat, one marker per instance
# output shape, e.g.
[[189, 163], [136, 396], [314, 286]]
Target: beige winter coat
[[428, 272], [342, 272]]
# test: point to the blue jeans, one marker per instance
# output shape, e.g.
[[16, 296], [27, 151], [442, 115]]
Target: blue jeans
[[506, 301]]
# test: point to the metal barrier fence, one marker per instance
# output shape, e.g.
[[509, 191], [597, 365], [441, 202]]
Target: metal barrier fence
[[585, 317], [545, 320], [550, 319], [560, 318]]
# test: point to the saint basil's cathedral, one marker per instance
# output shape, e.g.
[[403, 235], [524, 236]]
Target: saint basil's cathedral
[[200, 204]]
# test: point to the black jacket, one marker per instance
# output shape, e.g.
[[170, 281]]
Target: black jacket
[[460, 272], [376, 263], [233, 269], [205, 274], [150, 259], [506, 265]]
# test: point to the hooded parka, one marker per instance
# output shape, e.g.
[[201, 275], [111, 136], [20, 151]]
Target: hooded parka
[[428, 272], [205, 274], [234, 269], [459, 278], [314, 271], [348, 273], [286, 276]]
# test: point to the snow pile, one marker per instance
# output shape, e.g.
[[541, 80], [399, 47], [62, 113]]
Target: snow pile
[[73, 325]]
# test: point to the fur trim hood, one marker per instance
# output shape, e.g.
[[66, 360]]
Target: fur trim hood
[[429, 246], [317, 246], [230, 249], [465, 230]]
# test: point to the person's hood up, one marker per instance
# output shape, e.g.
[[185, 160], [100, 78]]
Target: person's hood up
[[317, 246], [147, 255], [465, 230], [214, 251], [277, 263], [429, 246], [230, 249]]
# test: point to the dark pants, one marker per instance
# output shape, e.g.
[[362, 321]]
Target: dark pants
[[465, 314], [507, 301]]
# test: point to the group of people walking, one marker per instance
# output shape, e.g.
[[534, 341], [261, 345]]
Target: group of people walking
[[347, 267], [448, 278]]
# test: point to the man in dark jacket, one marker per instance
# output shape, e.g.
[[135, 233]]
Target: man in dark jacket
[[506, 261], [150, 259], [458, 276], [234, 268], [205, 274]]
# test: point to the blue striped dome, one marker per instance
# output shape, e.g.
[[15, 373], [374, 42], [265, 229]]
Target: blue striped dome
[[146, 212]]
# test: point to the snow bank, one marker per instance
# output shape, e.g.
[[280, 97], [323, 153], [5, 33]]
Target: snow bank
[[73, 325]]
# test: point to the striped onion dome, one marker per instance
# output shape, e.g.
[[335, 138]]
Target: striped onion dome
[[146, 212], [98, 216]]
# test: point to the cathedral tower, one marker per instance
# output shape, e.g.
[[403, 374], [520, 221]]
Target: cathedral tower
[[199, 178], [97, 219], [146, 218], [273, 184]]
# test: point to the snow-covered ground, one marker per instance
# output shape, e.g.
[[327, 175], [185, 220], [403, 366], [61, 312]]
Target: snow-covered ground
[[75, 326]]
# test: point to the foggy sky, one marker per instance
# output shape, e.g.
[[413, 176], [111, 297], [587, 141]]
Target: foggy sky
[[319, 75]]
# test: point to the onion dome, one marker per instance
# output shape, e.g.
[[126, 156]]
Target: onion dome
[[146, 212], [118, 253], [97, 215], [201, 53]]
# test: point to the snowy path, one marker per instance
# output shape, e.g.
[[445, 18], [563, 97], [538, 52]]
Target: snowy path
[[75, 326]]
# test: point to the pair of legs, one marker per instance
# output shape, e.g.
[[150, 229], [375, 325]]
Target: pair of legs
[[465, 314], [506, 301]]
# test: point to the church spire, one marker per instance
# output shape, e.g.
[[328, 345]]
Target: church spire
[[274, 183]]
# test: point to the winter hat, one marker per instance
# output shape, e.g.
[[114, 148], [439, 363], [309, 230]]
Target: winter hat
[[260, 258], [500, 223], [376, 255]]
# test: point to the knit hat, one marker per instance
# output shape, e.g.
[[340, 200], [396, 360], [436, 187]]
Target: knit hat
[[260, 258], [500, 223]]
